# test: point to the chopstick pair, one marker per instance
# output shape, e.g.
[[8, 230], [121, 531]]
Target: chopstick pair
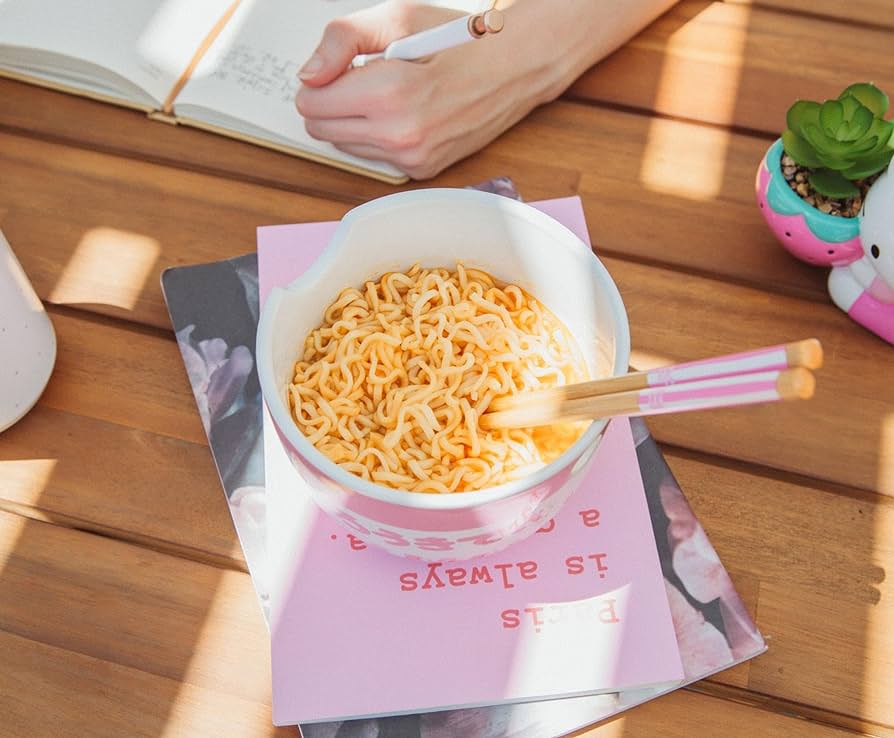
[[764, 375]]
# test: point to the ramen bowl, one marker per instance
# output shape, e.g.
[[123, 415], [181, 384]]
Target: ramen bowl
[[513, 242]]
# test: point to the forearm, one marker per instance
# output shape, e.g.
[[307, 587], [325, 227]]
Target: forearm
[[555, 41]]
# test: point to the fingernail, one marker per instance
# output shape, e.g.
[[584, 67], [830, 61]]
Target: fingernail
[[310, 69]]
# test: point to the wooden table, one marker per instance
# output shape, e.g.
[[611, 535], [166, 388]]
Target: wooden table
[[125, 607]]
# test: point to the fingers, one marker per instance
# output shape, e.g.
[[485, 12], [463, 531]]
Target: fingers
[[417, 163], [355, 93], [365, 31], [391, 135], [338, 130]]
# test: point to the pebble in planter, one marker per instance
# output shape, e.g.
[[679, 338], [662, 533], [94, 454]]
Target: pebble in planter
[[817, 185]]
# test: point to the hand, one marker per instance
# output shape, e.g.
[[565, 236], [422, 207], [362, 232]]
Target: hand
[[418, 116], [423, 116]]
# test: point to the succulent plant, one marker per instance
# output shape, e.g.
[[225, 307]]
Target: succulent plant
[[841, 140]]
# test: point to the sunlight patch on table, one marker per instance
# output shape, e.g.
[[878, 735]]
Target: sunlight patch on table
[[108, 267], [11, 529], [233, 617], [199, 712], [703, 62], [24, 480], [684, 159]]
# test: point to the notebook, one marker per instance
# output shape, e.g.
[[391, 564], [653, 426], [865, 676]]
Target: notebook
[[228, 66], [213, 309]]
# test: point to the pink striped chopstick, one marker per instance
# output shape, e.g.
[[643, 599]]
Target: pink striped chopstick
[[736, 379], [807, 353]]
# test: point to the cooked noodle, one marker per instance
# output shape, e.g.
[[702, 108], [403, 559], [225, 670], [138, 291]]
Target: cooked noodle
[[393, 382]]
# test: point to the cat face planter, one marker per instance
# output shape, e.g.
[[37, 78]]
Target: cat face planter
[[859, 250], [864, 288]]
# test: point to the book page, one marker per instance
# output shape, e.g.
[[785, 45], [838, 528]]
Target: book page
[[247, 81], [135, 50]]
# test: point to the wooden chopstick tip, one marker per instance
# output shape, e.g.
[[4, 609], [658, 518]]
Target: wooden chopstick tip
[[807, 353], [796, 384]]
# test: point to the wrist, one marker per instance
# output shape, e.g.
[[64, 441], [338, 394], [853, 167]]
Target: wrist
[[549, 43]]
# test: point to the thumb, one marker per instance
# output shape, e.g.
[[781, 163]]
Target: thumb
[[365, 31]]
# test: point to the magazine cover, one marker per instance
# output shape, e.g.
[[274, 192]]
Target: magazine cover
[[214, 312]]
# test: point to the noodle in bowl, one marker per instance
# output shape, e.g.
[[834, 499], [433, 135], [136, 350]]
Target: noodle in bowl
[[514, 243]]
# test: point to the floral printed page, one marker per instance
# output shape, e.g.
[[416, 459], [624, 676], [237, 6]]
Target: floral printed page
[[214, 311]]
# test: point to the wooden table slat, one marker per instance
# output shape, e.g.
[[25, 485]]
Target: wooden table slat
[[738, 65], [658, 200], [868, 12]]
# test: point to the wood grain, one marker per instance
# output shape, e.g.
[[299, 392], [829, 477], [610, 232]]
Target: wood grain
[[184, 647], [124, 603], [163, 615], [166, 491], [738, 65], [47, 692], [132, 378], [868, 12], [822, 557], [166, 216], [56, 116], [677, 318]]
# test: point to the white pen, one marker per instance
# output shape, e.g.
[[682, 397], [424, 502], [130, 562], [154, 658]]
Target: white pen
[[446, 36]]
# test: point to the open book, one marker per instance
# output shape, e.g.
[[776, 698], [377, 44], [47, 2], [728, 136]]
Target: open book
[[227, 66]]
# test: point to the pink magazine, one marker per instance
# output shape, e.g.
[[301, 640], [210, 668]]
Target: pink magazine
[[214, 312], [579, 608]]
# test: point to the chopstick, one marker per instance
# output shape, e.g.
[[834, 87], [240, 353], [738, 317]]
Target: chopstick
[[764, 375]]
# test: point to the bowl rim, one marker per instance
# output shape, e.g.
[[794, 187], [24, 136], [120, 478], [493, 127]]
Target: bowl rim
[[285, 425]]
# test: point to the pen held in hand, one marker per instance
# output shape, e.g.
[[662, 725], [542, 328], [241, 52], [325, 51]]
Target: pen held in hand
[[440, 38]]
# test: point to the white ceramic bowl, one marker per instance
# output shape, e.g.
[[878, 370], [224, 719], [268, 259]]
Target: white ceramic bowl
[[513, 242]]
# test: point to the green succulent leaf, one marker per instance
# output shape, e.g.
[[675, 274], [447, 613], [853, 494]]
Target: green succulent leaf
[[833, 154], [802, 113], [870, 96], [832, 184], [850, 105], [884, 130], [801, 151], [866, 146], [831, 117], [869, 165], [857, 126], [847, 137]]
